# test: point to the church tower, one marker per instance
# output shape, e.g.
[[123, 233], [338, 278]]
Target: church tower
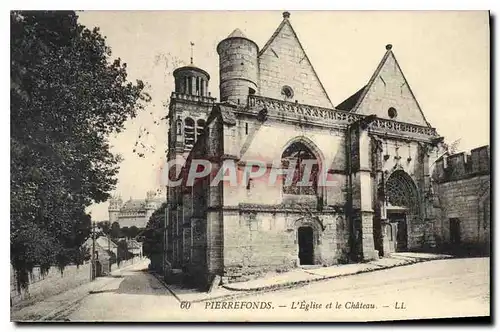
[[190, 105]]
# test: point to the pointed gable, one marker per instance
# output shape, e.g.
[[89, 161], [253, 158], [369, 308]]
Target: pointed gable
[[284, 63], [387, 95]]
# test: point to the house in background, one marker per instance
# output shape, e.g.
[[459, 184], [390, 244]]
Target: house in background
[[105, 254], [134, 247]]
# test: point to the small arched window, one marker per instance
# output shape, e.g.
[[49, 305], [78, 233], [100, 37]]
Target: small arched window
[[178, 125]]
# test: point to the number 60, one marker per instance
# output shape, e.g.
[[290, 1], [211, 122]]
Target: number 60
[[185, 305]]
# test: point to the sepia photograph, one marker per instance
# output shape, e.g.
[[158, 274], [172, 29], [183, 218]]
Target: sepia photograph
[[250, 166]]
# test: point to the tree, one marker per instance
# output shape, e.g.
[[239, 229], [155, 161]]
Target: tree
[[124, 232], [67, 96], [122, 252], [133, 231], [105, 226], [115, 230], [154, 233]]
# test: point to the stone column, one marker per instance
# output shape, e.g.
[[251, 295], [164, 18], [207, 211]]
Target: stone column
[[380, 217], [362, 193], [427, 201]]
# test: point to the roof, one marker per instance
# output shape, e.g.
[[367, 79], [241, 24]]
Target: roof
[[237, 33], [225, 110], [101, 241], [190, 67], [133, 244], [349, 103], [134, 204], [227, 114]]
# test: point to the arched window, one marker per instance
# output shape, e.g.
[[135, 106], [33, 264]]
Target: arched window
[[401, 191], [188, 133], [294, 156], [200, 125]]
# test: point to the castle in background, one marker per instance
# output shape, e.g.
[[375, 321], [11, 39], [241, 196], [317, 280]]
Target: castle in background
[[397, 186], [134, 212]]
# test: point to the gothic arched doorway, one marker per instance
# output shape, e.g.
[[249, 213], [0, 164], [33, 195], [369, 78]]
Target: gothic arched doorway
[[402, 208]]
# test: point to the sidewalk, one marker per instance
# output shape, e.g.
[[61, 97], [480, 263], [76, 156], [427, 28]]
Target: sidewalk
[[54, 307], [300, 276]]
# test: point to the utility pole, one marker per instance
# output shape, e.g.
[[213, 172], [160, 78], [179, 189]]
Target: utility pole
[[93, 252], [164, 251]]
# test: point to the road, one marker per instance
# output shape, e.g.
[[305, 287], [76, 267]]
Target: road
[[443, 288]]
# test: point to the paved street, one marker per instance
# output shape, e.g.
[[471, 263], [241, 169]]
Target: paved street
[[443, 288]]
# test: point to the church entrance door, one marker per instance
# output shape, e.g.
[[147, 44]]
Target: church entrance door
[[398, 220], [306, 245]]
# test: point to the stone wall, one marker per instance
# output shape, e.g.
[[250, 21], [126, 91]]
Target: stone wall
[[257, 241], [462, 183]]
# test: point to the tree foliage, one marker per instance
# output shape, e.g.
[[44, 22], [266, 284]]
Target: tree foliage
[[122, 252], [133, 231], [115, 232], [105, 226], [154, 233], [67, 97]]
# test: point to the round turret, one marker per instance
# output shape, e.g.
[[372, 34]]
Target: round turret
[[115, 203], [150, 195], [238, 67], [191, 80]]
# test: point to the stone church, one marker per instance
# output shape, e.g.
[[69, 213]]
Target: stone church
[[396, 188]]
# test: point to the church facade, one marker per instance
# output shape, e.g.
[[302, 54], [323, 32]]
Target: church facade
[[387, 167]]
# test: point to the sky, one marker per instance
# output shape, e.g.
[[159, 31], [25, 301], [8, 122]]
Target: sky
[[444, 56]]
